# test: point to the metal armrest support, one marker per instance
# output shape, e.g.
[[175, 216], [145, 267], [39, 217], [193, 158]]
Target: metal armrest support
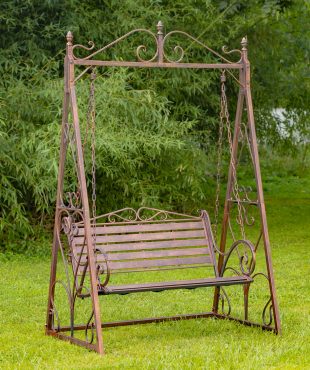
[[246, 263]]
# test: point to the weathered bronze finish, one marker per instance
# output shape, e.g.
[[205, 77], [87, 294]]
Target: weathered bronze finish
[[148, 239]]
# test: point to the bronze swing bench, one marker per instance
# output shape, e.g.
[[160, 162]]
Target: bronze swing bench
[[148, 245], [151, 240]]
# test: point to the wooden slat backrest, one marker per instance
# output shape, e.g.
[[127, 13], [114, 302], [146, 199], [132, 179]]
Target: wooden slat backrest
[[147, 245]]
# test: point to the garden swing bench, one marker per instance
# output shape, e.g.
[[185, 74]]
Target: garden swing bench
[[93, 248]]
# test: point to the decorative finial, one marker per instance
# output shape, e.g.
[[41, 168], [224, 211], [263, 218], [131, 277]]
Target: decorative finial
[[69, 37], [160, 28], [244, 43]]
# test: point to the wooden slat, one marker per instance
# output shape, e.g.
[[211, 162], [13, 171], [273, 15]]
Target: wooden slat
[[163, 268], [165, 244], [102, 230], [146, 236], [159, 262], [152, 254], [179, 284]]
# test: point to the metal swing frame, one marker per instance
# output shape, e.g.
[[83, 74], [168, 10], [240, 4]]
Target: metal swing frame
[[72, 205]]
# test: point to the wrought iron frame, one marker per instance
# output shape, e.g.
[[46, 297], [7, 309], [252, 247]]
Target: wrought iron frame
[[76, 206]]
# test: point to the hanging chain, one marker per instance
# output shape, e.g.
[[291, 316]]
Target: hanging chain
[[225, 119], [91, 127], [219, 168], [93, 145]]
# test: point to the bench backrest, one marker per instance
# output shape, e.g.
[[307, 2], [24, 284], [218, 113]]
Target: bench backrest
[[140, 245]]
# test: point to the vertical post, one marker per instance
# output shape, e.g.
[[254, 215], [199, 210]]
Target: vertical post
[[61, 168], [230, 183], [160, 37], [260, 195]]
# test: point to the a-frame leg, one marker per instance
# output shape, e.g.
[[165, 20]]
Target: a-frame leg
[[245, 95], [262, 210], [70, 100], [55, 246], [87, 225]]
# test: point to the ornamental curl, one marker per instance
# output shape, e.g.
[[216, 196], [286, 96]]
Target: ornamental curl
[[267, 314], [228, 52], [246, 263]]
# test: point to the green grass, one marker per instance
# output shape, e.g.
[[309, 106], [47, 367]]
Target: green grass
[[205, 343]]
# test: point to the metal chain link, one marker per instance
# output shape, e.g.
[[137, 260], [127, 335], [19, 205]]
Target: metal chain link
[[218, 172], [91, 126], [224, 119]]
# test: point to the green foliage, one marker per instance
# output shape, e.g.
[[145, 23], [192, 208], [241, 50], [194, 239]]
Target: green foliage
[[155, 142]]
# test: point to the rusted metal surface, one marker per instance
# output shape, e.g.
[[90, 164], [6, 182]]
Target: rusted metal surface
[[91, 247]]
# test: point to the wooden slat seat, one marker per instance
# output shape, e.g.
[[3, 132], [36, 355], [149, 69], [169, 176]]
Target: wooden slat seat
[[179, 284]]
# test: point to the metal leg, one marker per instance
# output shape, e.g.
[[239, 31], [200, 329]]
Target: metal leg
[[63, 149], [87, 226], [262, 210]]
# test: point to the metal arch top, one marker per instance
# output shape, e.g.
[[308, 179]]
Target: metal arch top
[[160, 58]]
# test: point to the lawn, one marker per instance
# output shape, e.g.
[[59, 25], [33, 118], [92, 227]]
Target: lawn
[[204, 343]]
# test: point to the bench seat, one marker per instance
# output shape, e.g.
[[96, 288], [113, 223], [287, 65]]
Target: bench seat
[[142, 245]]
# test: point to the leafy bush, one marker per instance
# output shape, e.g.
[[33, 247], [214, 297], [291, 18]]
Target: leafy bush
[[155, 129]]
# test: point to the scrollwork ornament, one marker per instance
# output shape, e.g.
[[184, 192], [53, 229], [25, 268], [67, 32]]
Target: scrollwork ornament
[[233, 51], [139, 49], [267, 314], [80, 46], [54, 310], [246, 263], [143, 48], [224, 299], [177, 50], [180, 50], [247, 202], [72, 200], [142, 214], [157, 214], [122, 215]]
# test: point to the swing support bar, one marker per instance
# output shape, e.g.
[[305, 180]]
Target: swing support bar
[[77, 206], [101, 63]]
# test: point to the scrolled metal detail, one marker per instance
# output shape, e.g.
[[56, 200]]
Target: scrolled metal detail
[[181, 50], [80, 46], [144, 49], [223, 297], [68, 226], [92, 327], [120, 215], [103, 269], [142, 214], [158, 214], [246, 263], [54, 310], [177, 50], [89, 325], [247, 202], [233, 51], [159, 40], [72, 200], [118, 40], [268, 312]]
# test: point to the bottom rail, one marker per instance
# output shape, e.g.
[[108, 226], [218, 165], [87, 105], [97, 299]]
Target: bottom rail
[[245, 322], [168, 318], [73, 340]]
